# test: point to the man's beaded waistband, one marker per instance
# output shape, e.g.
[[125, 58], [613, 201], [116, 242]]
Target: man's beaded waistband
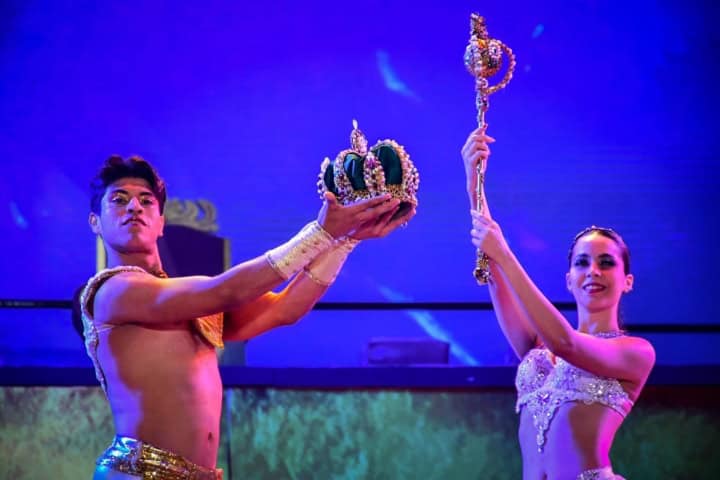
[[134, 457]]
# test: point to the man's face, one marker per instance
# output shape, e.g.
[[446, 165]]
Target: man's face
[[130, 219]]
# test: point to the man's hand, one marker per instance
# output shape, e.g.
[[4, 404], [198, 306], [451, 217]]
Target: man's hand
[[340, 220], [383, 225]]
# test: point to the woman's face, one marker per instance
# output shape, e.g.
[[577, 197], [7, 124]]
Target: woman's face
[[597, 278]]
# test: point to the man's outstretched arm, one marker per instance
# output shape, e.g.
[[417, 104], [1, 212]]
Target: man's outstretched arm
[[136, 297], [305, 290]]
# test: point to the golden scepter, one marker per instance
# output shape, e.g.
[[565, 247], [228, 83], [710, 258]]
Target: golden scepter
[[483, 59]]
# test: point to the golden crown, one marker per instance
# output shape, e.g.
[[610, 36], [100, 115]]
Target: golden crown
[[359, 173]]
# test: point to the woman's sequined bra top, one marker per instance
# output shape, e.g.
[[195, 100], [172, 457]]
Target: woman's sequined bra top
[[545, 382]]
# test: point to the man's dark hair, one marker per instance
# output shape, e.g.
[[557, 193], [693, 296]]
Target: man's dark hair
[[117, 167]]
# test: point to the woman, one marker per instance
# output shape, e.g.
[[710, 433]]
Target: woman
[[575, 386]]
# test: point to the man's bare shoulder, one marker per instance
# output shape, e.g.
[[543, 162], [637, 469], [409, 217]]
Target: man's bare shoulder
[[121, 293], [140, 297]]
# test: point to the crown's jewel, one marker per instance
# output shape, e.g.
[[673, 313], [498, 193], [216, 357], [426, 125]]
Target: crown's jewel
[[359, 173]]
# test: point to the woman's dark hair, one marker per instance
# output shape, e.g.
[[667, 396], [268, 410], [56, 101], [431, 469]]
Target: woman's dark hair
[[605, 232]]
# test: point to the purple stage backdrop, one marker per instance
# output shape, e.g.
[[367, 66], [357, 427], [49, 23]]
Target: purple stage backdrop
[[610, 119]]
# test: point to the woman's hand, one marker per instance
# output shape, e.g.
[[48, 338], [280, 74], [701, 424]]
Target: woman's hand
[[475, 153], [487, 236]]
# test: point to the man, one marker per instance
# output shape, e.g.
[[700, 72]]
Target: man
[[152, 339]]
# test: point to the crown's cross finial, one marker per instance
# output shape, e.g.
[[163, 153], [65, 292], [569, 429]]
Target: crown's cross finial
[[357, 139], [478, 27], [359, 173]]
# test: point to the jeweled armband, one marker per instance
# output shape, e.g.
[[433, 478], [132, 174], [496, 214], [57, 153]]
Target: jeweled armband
[[292, 256], [325, 268]]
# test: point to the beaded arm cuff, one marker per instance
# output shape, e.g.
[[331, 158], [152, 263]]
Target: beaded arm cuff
[[325, 268], [290, 257]]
